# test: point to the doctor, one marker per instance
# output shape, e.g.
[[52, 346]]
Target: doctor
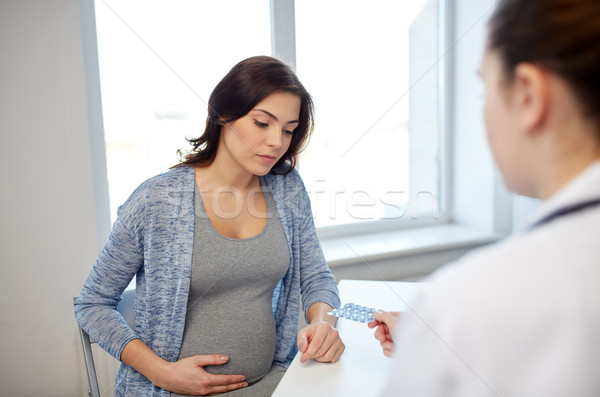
[[522, 318]]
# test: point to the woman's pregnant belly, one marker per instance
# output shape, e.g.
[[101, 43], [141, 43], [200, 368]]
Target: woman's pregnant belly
[[244, 331]]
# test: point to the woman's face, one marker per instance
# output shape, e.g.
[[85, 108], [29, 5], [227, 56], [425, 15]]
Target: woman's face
[[504, 133], [256, 141]]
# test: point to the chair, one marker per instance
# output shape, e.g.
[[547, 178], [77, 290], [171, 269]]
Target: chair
[[125, 307]]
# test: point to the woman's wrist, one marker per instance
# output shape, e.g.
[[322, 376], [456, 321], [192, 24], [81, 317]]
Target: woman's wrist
[[160, 373], [140, 357], [317, 312]]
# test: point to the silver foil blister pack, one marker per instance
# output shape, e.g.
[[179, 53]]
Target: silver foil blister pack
[[354, 312]]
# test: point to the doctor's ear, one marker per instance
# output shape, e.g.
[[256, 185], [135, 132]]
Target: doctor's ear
[[530, 93]]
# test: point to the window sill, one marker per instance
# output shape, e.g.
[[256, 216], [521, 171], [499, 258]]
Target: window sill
[[351, 250]]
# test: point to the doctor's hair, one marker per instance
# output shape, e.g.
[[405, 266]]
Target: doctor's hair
[[560, 35], [246, 84]]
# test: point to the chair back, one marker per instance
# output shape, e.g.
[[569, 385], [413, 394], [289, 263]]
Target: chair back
[[125, 307]]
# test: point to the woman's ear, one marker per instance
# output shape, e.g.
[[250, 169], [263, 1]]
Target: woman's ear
[[530, 93]]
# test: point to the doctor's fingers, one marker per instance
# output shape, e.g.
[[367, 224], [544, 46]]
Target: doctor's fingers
[[389, 350], [382, 333], [390, 319]]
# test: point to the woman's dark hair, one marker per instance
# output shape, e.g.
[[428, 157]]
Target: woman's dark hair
[[246, 84], [560, 35]]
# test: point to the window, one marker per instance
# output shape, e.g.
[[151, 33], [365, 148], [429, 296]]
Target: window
[[369, 66], [372, 68], [159, 61]]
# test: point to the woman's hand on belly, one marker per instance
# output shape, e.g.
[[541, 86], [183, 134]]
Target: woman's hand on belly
[[188, 376], [320, 340]]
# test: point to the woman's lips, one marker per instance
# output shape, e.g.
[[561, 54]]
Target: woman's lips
[[267, 158]]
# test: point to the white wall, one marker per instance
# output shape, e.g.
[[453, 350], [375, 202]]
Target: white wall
[[49, 236]]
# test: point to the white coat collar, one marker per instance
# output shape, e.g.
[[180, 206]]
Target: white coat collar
[[584, 187]]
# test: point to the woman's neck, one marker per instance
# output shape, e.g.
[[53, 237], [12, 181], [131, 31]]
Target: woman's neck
[[572, 154], [218, 175]]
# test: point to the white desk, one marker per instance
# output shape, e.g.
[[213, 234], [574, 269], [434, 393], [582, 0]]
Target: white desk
[[363, 368]]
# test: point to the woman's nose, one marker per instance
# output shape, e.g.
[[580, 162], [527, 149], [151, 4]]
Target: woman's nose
[[274, 138]]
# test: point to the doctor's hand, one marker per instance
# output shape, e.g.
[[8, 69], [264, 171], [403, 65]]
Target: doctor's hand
[[386, 329], [188, 376]]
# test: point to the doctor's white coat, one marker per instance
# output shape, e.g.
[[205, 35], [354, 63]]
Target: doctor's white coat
[[520, 318]]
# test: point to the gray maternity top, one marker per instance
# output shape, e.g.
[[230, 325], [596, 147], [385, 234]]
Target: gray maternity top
[[229, 306]]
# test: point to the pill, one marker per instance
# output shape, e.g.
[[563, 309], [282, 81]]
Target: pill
[[354, 312]]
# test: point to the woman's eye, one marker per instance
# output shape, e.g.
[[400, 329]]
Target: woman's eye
[[288, 132], [260, 124]]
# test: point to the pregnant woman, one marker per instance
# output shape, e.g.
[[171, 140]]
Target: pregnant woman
[[223, 247]]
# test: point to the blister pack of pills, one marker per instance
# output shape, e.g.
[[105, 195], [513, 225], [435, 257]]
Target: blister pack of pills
[[351, 311]]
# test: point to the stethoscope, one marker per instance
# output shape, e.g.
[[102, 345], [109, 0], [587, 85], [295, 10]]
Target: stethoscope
[[564, 211]]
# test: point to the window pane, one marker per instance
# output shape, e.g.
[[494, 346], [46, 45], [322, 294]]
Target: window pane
[[358, 60], [159, 61]]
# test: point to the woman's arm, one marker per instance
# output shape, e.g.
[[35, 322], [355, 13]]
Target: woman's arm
[[95, 308], [186, 376], [96, 305], [318, 313], [320, 340], [316, 280]]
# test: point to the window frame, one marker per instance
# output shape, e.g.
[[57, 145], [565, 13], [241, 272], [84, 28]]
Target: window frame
[[464, 228]]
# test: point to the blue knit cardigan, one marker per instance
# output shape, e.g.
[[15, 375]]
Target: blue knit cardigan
[[153, 240]]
